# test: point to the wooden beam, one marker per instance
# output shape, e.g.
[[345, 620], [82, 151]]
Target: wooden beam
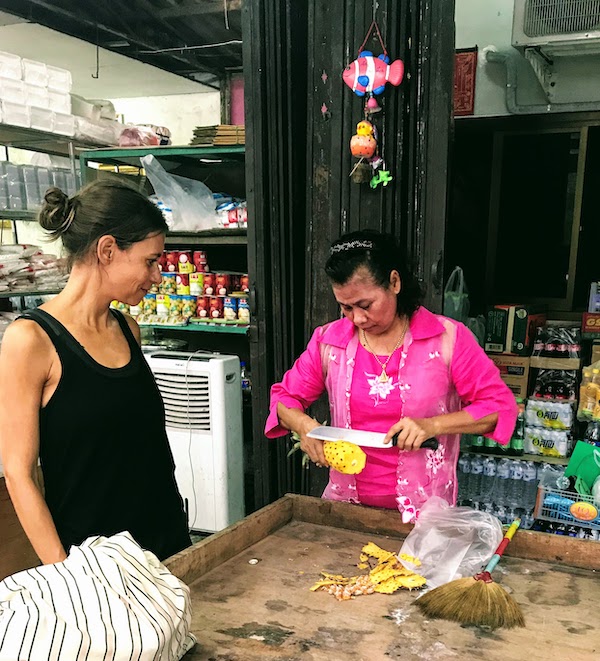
[[203, 7]]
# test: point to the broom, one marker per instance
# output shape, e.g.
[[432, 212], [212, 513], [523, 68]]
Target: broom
[[476, 600]]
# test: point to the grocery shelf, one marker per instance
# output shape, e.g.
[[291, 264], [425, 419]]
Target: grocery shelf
[[29, 292], [22, 214], [132, 155], [41, 141], [202, 328], [208, 237], [538, 458]]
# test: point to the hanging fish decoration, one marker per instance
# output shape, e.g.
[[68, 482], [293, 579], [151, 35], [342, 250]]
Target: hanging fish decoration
[[369, 74]]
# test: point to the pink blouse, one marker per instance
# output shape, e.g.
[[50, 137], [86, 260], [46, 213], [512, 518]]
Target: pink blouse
[[441, 369]]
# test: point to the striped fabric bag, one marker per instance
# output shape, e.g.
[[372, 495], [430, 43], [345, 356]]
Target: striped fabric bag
[[109, 600]]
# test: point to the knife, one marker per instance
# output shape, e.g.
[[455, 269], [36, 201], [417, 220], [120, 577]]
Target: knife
[[368, 439]]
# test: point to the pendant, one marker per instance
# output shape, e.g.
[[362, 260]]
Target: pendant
[[383, 377]]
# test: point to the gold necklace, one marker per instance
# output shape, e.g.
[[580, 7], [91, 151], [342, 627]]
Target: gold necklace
[[383, 377]]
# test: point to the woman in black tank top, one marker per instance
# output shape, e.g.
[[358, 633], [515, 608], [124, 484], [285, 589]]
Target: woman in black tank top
[[76, 392]]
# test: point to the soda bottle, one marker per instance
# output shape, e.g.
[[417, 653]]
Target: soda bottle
[[490, 445], [477, 442], [518, 438]]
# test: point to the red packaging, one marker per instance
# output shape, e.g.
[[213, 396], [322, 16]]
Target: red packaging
[[172, 261], [203, 307], [183, 283], [162, 260], [244, 283], [185, 264], [232, 218], [209, 284], [199, 260], [223, 285], [216, 308]]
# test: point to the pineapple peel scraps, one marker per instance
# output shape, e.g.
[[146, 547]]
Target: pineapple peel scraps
[[386, 577]]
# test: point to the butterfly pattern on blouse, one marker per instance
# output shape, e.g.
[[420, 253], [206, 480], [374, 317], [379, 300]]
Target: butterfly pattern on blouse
[[379, 390]]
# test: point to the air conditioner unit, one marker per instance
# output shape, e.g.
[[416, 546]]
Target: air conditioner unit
[[557, 27], [202, 395]]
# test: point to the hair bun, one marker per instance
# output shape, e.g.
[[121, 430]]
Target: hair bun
[[55, 215]]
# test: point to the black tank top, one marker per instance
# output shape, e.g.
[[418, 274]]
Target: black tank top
[[104, 451]]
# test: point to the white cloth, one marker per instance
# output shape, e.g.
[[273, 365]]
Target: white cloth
[[108, 600]]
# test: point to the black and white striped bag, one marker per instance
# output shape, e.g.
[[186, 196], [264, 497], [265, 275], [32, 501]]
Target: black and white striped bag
[[109, 600]]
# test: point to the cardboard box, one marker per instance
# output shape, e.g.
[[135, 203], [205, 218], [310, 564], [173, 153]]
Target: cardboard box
[[595, 353], [510, 329], [590, 325], [514, 371]]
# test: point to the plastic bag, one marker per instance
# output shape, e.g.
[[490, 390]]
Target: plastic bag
[[138, 136], [456, 296], [191, 202], [451, 542], [477, 326]]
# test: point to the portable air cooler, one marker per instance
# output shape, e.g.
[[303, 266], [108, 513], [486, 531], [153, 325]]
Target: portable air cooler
[[203, 409]]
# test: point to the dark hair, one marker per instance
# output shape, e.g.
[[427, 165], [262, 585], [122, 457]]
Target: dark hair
[[380, 254], [104, 207]]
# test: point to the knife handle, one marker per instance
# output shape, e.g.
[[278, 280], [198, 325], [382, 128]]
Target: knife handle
[[429, 444]]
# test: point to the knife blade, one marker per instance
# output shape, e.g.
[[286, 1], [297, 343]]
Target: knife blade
[[368, 439]]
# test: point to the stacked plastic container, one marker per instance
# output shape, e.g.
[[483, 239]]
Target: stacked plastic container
[[22, 187], [35, 95]]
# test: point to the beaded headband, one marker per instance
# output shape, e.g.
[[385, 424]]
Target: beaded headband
[[351, 245]]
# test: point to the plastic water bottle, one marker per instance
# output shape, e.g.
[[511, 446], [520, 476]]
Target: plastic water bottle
[[246, 380], [489, 478], [514, 495], [464, 471], [476, 479], [530, 485], [502, 481]]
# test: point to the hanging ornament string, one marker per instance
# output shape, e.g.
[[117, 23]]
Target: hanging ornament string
[[375, 27]]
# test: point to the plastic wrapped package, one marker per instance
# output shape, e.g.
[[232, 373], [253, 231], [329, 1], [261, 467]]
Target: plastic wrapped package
[[191, 202], [59, 80], [89, 131], [59, 102], [13, 91], [16, 114], [35, 73], [64, 124], [84, 108], [10, 66], [451, 542], [138, 136], [42, 119]]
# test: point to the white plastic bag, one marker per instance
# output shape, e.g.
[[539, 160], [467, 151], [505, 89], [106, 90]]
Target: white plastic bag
[[451, 542], [191, 202], [456, 296]]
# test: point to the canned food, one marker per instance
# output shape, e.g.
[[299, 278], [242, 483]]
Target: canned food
[[197, 284], [244, 283], [202, 306], [188, 308], [230, 308], [155, 289], [149, 304], [183, 283], [168, 283], [216, 308], [162, 304], [200, 261], [185, 264], [209, 284], [175, 305], [135, 310], [172, 261], [222, 284], [243, 310]]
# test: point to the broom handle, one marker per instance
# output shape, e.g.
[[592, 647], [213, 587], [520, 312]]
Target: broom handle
[[491, 565]]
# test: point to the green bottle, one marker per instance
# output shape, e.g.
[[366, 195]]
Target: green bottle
[[517, 442]]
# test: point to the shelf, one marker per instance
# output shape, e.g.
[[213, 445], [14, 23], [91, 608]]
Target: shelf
[[538, 458], [13, 214], [202, 328], [40, 141], [29, 292], [132, 155], [208, 237]]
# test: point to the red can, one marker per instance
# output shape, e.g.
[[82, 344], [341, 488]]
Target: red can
[[216, 308], [203, 307], [183, 283], [162, 260], [244, 283], [209, 284], [222, 284], [172, 261], [199, 259]]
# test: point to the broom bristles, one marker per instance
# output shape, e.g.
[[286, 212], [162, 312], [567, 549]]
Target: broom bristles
[[474, 602]]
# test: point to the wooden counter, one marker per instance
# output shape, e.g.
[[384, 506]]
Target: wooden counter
[[265, 611]]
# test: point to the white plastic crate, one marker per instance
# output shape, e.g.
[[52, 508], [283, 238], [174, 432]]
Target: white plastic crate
[[16, 114], [35, 73], [10, 66], [37, 96], [42, 119], [12, 90], [59, 80]]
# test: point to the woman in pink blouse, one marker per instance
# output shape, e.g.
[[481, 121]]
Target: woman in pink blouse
[[391, 366]]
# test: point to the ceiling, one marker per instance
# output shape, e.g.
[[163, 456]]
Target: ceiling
[[197, 39]]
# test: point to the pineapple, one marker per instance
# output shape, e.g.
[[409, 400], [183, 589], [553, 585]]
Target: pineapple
[[344, 456]]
